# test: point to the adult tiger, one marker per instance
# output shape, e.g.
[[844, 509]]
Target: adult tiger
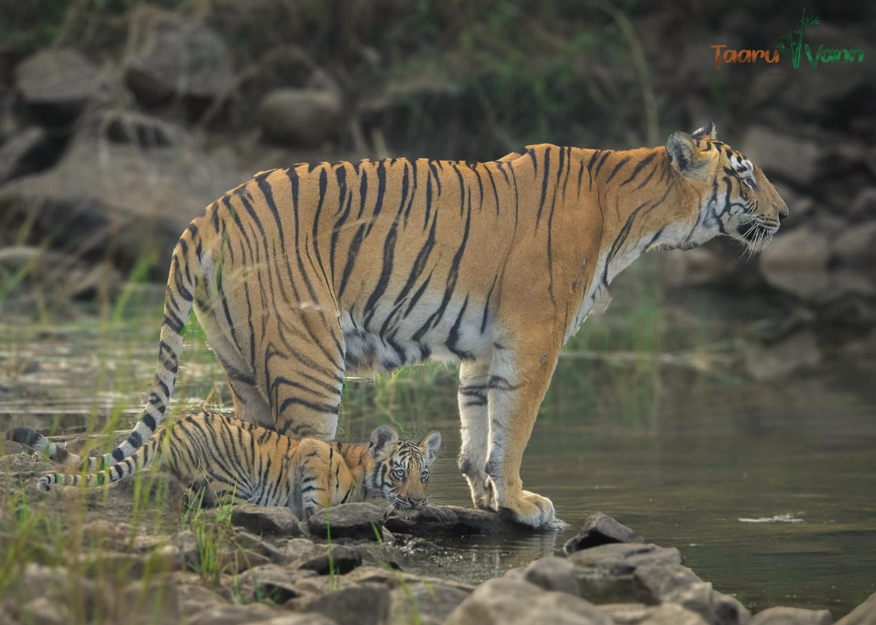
[[228, 460], [301, 275]]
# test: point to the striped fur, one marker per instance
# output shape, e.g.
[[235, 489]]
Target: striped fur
[[232, 461], [302, 275]]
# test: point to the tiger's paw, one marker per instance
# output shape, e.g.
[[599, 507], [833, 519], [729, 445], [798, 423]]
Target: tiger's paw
[[483, 495], [532, 510]]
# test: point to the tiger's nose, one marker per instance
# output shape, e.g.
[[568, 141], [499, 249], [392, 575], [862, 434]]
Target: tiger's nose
[[416, 501], [783, 213]]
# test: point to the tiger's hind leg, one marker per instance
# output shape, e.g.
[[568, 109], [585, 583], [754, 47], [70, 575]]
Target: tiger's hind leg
[[475, 430], [303, 366], [249, 404]]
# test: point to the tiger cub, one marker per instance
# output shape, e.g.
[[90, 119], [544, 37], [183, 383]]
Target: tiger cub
[[233, 461]]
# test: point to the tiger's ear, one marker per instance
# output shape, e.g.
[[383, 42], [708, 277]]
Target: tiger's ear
[[382, 439], [431, 442], [706, 131], [684, 154]]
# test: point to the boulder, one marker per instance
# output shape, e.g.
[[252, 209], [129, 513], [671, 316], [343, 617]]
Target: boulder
[[25, 151], [367, 604], [425, 603], [251, 542], [109, 200], [234, 615], [797, 263], [638, 614], [143, 603], [549, 573], [337, 560], [716, 608], [793, 353], [856, 247], [265, 519], [655, 583], [864, 614], [791, 616], [360, 520], [172, 56], [600, 529], [606, 573], [56, 85], [300, 117], [504, 601], [791, 157], [268, 583]]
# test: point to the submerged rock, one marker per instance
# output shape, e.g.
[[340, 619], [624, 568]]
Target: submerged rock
[[601, 529], [792, 616]]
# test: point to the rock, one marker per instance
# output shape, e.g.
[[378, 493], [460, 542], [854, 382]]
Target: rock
[[605, 573], [24, 152], [269, 582], [601, 529], [504, 601], [782, 156], [654, 583], [361, 520], [155, 601], [236, 561], [234, 615], [265, 519], [44, 611], [303, 117], [450, 521], [797, 263], [56, 85], [194, 598], [367, 604], [856, 247], [301, 619], [129, 201], [793, 353], [338, 560], [791, 616], [864, 204], [251, 542], [426, 603], [638, 614], [715, 607], [549, 573], [175, 56], [864, 614]]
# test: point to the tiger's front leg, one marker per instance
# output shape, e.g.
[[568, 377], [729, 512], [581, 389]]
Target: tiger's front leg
[[519, 379], [474, 413]]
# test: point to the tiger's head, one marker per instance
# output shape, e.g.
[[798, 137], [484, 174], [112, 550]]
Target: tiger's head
[[400, 468], [734, 196]]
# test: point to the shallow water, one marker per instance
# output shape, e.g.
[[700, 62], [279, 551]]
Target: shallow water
[[688, 459]]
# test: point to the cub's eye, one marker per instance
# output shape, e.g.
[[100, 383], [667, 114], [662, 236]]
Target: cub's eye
[[424, 476], [398, 473]]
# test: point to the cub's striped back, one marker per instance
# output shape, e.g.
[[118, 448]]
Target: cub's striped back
[[233, 461]]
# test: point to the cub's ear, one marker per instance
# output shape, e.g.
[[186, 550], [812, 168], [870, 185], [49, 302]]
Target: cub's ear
[[382, 440], [431, 442], [706, 131], [684, 154]]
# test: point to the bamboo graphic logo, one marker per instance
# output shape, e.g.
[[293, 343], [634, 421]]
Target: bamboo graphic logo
[[791, 44]]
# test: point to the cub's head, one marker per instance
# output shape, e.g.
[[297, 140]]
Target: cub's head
[[733, 194], [400, 468]]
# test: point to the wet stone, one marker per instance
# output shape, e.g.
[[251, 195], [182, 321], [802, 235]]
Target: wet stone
[[791, 616], [601, 529], [450, 521], [549, 573], [605, 573], [362, 521], [265, 519], [655, 583]]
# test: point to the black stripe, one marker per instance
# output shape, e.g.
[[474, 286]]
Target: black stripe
[[638, 168], [616, 169], [544, 182]]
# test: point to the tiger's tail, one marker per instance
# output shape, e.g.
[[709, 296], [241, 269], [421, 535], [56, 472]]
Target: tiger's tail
[[138, 461], [35, 441]]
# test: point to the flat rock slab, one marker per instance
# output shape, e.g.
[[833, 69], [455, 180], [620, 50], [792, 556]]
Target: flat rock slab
[[601, 529], [451, 521], [265, 519], [361, 521]]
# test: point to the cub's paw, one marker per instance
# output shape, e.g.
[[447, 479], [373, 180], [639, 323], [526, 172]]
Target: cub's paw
[[533, 510]]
